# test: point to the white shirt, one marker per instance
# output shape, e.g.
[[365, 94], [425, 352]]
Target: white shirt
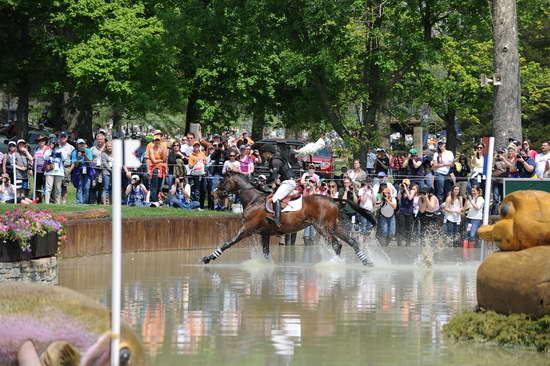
[[446, 157], [541, 160], [59, 156], [367, 198], [187, 149], [473, 213], [234, 166], [68, 148]]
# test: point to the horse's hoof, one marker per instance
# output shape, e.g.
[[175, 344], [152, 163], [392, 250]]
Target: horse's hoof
[[205, 260], [368, 263]]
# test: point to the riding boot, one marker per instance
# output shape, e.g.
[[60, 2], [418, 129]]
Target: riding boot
[[277, 218]]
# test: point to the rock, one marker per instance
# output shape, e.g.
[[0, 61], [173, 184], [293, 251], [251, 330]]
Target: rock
[[525, 221], [516, 282]]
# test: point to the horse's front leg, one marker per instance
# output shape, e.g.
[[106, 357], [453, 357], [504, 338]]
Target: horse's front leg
[[216, 253], [265, 245]]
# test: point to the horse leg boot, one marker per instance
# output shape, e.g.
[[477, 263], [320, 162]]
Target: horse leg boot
[[265, 245], [216, 253], [340, 233]]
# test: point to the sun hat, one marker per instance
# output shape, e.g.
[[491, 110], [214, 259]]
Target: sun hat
[[80, 141], [381, 174]]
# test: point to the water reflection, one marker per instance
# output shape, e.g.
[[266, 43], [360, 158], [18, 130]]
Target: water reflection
[[294, 312]]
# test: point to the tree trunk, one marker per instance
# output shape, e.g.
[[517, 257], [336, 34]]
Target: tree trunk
[[506, 103], [192, 114], [450, 123], [23, 95], [84, 122], [258, 121], [57, 109], [116, 116]]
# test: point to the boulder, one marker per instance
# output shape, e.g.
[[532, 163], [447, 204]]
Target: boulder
[[516, 282]]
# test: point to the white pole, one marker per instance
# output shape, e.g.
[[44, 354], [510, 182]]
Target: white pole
[[488, 189], [117, 248], [14, 180], [34, 179]]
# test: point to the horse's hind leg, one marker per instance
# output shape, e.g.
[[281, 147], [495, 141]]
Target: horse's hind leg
[[342, 234], [265, 245], [216, 253], [330, 238]]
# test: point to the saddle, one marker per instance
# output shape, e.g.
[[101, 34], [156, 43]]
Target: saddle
[[293, 196]]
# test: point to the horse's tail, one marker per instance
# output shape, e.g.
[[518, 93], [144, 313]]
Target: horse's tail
[[360, 210]]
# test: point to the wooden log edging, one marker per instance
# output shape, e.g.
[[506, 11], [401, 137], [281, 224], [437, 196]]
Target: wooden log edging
[[93, 236]]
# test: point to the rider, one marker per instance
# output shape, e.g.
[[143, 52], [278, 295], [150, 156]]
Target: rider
[[281, 173]]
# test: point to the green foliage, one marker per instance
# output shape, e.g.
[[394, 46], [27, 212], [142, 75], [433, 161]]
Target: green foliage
[[514, 329]]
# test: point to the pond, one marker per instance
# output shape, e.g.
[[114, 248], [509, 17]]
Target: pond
[[302, 309]]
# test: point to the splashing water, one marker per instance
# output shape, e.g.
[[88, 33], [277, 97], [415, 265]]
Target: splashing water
[[375, 252]]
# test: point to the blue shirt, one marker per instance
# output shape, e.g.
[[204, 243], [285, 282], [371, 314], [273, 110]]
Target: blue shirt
[[522, 172], [75, 158]]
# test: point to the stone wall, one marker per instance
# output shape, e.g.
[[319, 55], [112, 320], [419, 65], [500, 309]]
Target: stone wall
[[93, 236], [35, 270]]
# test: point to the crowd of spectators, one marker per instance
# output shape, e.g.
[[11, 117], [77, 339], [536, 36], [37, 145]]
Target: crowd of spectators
[[413, 195], [180, 171]]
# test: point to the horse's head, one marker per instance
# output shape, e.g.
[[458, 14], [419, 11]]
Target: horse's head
[[228, 184]]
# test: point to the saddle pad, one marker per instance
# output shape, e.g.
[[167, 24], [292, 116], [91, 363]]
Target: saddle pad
[[294, 205]]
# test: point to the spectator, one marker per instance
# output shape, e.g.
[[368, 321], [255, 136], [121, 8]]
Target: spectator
[[245, 140], [245, 160], [310, 185], [397, 167], [106, 170], [82, 172], [382, 162], [382, 179], [332, 189], [442, 162], [67, 152], [406, 217], [414, 168], [97, 183], [187, 144], [461, 171], [542, 160], [477, 160], [55, 159], [322, 189], [231, 165], [371, 158], [500, 171], [526, 148], [309, 174], [40, 164], [215, 167], [180, 195], [510, 160], [9, 159], [23, 166], [157, 158], [428, 208], [366, 199], [525, 166], [452, 209], [428, 172], [357, 175], [386, 220], [474, 204], [174, 154], [136, 193], [7, 190], [348, 192], [197, 164]]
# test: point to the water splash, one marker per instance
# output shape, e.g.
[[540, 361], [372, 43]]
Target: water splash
[[372, 248]]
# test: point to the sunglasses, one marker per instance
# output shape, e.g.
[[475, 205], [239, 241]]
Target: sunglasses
[[176, 145], [479, 147], [232, 156]]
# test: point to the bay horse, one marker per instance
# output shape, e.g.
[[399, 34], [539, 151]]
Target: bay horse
[[320, 211]]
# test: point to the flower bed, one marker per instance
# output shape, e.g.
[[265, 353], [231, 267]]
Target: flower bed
[[29, 234]]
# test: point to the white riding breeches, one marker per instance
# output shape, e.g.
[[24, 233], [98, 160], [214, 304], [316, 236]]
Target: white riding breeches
[[286, 187]]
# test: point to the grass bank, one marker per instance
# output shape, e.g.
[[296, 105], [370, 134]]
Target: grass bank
[[126, 210], [515, 329]]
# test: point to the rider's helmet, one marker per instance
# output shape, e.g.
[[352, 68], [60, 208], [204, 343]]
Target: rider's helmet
[[269, 148]]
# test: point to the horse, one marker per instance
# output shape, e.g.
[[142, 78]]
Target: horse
[[322, 212]]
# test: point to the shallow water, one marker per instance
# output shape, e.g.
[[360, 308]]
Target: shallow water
[[301, 308]]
